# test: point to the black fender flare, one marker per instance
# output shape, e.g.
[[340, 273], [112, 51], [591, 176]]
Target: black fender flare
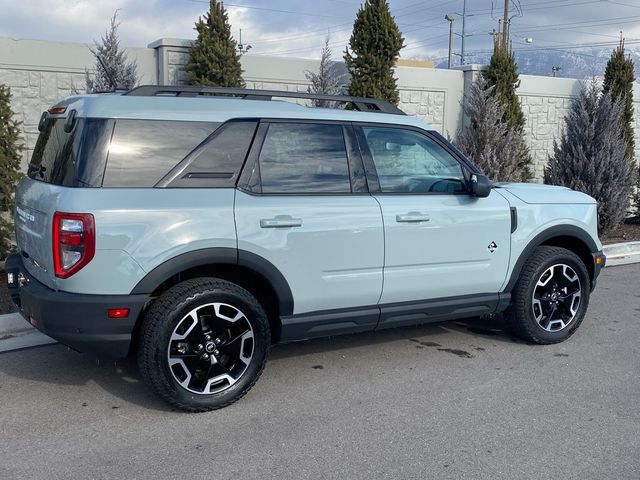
[[557, 231], [219, 256]]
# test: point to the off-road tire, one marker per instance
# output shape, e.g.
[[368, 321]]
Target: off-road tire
[[162, 318], [520, 316]]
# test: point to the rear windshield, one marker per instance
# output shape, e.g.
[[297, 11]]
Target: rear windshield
[[74, 159], [113, 153]]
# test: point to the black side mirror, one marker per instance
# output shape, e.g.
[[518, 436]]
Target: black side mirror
[[480, 185]]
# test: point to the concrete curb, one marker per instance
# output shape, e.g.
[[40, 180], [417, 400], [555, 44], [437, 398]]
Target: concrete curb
[[16, 334], [25, 339], [12, 323], [624, 253]]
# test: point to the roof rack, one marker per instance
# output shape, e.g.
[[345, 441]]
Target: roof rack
[[359, 103]]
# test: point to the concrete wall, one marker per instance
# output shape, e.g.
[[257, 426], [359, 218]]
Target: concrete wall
[[430, 94], [39, 73], [545, 102]]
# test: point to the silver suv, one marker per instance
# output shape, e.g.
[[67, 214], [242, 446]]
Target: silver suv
[[194, 227]]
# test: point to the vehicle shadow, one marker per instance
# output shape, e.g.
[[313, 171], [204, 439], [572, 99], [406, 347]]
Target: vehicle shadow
[[493, 328], [56, 364]]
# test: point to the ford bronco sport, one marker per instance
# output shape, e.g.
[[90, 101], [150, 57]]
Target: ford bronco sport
[[194, 227]]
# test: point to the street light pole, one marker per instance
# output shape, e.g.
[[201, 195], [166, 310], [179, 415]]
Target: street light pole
[[450, 19], [464, 18]]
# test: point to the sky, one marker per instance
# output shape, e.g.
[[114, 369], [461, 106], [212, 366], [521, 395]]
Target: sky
[[298, 28]]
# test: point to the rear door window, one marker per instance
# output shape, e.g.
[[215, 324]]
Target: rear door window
[[143, 151], [304, 158]]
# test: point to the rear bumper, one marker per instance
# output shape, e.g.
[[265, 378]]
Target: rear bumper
[[76, 320]]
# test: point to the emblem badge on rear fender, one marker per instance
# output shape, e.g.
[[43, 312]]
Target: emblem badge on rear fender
[[25, 215], [493, 246]]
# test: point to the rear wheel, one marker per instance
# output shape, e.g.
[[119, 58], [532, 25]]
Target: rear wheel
[[550, 299], [204, 344]]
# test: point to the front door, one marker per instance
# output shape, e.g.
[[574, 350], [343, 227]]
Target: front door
[[440, 242]]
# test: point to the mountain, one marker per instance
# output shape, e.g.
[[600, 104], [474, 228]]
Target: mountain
[[578, 63]]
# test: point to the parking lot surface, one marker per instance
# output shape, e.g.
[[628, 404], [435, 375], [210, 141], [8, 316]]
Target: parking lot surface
[[454, 400]]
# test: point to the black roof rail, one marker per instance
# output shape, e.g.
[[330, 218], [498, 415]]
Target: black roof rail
[[359, 103]]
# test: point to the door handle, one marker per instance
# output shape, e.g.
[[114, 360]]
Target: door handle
[[280, 221], [412, 217]]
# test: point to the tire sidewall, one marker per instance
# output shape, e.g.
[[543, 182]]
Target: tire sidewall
[[256, 317]]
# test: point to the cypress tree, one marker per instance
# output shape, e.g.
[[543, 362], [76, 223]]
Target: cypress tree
[[374, 48], [112, 69], [618, 81], [590, 155], [10, 154], [502, 76], [327, 80], [485, 139], [214, 59]]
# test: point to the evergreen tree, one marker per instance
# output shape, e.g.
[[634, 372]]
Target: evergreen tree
[[214, 59], [485, 138], [502, 76], [327, 80], [618, 81], [10, 155], [112, 69], [373, 51], [591, 155]]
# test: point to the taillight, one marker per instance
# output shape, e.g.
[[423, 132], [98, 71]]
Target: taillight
[[74, 242], [57, 110]]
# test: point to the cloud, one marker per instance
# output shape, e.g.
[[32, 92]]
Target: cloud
[[296, 28]]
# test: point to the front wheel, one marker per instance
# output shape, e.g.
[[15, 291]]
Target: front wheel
[[550, 299], [204, 344]]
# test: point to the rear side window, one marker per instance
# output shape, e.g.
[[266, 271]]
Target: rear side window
[[304, 158], [74, 159], [218, 161], [144, 151]]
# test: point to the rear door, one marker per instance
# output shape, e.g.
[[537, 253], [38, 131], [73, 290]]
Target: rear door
[[303, 205], [440, 242]]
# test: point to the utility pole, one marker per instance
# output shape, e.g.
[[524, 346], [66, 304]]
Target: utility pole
[[505, 24], [449, 19], [242, 48], [464, 18]]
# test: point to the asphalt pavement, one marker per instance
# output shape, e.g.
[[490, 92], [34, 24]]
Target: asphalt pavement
[[454, 400]]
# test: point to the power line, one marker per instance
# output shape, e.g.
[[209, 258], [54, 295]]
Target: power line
[[265, 9], [343, 42], [623, 4], [536, 6], [569, 46], [338, 26], [590, 23]]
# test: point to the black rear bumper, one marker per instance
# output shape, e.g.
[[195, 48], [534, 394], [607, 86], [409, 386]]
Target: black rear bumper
[[76, 320]]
